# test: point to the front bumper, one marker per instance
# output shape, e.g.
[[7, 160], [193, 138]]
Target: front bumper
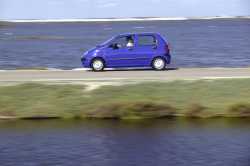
[[85, 62]]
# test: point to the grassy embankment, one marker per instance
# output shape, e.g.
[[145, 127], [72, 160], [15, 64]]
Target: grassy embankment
[[4, 24], [226, 98]]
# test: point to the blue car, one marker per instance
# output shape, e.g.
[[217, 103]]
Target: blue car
[[129, 51]]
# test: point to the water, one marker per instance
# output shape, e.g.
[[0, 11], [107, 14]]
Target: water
[[195, 43], [214, 142]]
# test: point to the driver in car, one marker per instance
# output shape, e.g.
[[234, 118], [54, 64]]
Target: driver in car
[[130, 42]]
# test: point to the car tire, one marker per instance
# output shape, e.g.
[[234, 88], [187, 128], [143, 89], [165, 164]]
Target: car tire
[[97, 64], [159, 63]]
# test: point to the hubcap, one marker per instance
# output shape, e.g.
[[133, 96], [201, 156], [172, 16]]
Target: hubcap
[[159, 63], [97, 65]]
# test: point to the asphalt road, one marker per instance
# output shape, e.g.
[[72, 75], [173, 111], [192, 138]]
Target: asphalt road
[[122, 75]]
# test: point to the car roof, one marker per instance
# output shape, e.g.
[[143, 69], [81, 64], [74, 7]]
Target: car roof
[[144, 33]]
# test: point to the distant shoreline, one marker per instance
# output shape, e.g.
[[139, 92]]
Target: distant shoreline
[[124, 19]]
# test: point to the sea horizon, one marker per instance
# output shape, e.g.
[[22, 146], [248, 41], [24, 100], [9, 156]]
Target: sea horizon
[[124, 19]]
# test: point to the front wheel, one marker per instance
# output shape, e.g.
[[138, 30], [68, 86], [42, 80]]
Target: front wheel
[[159, 64], [97, 64]]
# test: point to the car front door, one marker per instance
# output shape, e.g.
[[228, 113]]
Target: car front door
[[121, 52]]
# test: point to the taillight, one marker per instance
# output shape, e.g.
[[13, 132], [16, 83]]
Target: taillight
[[167, 49]]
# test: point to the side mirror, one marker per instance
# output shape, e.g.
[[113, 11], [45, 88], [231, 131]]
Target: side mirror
[[130, 47], [111, 46]]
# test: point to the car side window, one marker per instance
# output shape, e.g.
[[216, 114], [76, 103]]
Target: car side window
[[122, 42], [146, 40]]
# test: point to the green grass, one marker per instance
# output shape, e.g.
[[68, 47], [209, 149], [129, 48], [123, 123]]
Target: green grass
[[4, 24], [226, 98]]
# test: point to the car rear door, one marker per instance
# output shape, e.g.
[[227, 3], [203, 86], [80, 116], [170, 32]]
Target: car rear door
[[146, 49]]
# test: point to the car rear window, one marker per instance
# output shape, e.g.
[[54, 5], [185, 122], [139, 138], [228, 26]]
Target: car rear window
[[146, 40]]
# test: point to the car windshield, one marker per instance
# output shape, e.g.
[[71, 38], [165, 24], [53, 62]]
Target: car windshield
[[106, 42]]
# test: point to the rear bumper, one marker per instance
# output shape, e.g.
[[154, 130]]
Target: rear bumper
[[168, 58]]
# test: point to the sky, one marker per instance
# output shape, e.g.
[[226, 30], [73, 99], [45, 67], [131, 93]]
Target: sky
[[72, 9]]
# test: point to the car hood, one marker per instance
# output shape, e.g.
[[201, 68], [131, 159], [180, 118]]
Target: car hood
[[94, 49]]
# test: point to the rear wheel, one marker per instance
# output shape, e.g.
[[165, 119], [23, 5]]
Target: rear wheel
[[97, 64], [159, 64]]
